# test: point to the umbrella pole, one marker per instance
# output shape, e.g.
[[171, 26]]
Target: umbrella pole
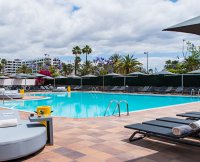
[[54, 82]]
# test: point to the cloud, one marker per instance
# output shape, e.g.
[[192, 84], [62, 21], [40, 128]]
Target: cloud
[[31, 28]]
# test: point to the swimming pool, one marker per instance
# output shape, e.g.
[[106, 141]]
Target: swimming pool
[[87, 105]]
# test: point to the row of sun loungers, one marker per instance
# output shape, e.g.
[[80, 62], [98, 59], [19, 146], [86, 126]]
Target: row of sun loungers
[[174, 129]]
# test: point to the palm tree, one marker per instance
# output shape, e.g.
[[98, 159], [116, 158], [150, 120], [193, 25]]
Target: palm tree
[[116, 60], [76, 51], [67, 69], [130, 64], [24, 69], [86, 50]]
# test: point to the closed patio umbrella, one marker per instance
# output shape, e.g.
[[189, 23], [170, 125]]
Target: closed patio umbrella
[[191, 26]]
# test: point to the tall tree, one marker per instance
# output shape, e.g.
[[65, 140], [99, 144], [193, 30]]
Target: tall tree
[[130, 64], [116, 60], [86, 50], [76, 51], [67, 69]]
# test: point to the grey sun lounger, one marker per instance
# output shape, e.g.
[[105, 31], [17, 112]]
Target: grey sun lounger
[[164, 124], [147, 130], [190, 116], [24, 139], [175, 120]]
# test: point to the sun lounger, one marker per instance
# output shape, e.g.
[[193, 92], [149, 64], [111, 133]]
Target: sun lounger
[[114, 88], [168, 90], [21, 140], [179, 90], [59, 89], [164, 124], [162, 130], [175, 120], [190, 116], [145, 89]]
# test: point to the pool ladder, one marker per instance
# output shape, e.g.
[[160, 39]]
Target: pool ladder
[[118, 103]]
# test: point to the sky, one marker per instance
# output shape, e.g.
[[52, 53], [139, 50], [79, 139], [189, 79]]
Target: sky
[[28, 29]]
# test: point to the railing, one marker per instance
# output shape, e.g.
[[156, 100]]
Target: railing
[[118, 103], [192, 93]]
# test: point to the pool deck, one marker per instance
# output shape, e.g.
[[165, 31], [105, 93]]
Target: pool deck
[[106, 139]]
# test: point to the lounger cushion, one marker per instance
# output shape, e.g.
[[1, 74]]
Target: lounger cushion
[[20, 141]]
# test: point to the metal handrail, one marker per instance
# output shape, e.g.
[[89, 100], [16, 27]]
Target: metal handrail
[[118, 107], [127, 108], [192, 93], [112, 101]]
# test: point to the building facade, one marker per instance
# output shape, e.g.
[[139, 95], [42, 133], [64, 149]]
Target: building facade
[[35, 64]]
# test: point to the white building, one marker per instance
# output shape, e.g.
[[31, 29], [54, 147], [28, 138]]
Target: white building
[[34, 64]]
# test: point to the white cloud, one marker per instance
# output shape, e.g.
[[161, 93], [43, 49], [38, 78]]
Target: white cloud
[[31, 28]]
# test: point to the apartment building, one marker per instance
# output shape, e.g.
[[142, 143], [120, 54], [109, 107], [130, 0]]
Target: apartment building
[[35, 64]]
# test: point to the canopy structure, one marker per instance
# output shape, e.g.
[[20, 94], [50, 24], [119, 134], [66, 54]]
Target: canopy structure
[[164, 72], [3, 77], [87, 77], [191, 26], [195, 72], [126, 76], [136, 73], [111, 75], [73, 77], [38, 75], [60, 77]]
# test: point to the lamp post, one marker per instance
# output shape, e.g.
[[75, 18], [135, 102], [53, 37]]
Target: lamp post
[[147, 53]]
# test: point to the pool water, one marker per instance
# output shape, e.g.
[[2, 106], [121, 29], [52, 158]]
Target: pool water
[[86, 105]]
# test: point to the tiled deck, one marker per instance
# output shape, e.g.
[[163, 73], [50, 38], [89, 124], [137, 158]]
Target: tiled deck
[[105, 139]]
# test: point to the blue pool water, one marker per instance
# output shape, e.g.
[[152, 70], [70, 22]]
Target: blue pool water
[[85, 105]]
